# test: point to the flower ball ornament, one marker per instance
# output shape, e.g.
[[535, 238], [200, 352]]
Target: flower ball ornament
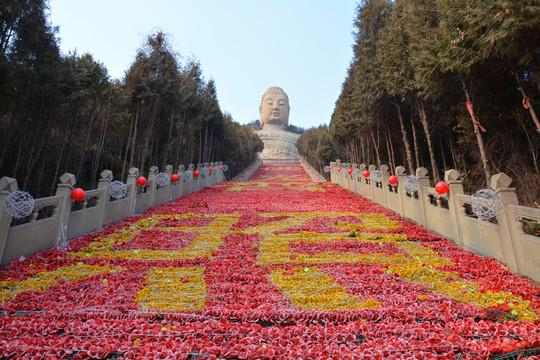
[[174, 177], [393, 180], [78, 194], [205, 171], [117, 189], [327, 168], [195, 173], [410, 184], [141, 181], [366, 174], [441, 187], [376, 175], [485, 203], [19, 204], [162, 179], [188, 176], [225, 167]]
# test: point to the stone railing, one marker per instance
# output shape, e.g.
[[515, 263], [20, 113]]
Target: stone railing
[[58, 218], [314, 175], [246, 174], [449, 214]]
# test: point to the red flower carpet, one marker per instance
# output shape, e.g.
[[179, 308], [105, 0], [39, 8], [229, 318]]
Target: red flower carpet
[[274, 268]]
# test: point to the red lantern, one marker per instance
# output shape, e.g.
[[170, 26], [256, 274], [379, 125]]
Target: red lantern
[[366, 173], [242, 176], [174, 177], [441, 187], [339, 170], [220, 167], [209, 169], [349, 171], [195, 173], [331, 168], [393, 180], [141, 180], [77, 194]]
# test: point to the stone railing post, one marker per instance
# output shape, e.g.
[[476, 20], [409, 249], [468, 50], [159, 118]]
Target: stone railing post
[[423, 181], [371, 188], [361, 186], [169, 172], [7, 186], [181, 184], [332, 176], [64, 190], [197, 181], [385, 169], [190, 185], [354, 180], [337, 177], [501, 184], [105, 179], [131, 183], [401, 175], [153, 186], [455, 188]]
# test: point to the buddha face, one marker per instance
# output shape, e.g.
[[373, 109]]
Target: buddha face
[[274, 109]]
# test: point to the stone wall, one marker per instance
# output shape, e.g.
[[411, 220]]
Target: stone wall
[[57, 218], [503, 239]]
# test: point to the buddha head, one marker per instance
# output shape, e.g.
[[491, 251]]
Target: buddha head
[[274, 108]]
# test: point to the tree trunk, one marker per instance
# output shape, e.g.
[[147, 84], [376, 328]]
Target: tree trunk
[[10, 128], [479, 139], [85, 144], [393, 159], [133, 142], [454, 155], [405, 138], [97, 155], [536, 74], [425, 125], [376, 146], [169, 139], [127, 146], [18, 160], [32, 162], [60, 156], [155, 101], [442, 153], [527, 102], [531, 147], [417, 156], [205, 151], [69, 145], [180, 139]]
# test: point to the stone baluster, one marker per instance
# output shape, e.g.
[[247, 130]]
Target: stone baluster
[[385, 169], [455, 187], [132, 186], [152, 186], [64, 190], [7, 186], [401, 174], [102, 205]]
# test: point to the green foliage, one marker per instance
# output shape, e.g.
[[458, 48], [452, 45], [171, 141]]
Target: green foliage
[[64, 114]]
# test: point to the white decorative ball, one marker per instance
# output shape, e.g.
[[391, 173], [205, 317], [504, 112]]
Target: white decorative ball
[[162, 179], [188, 176], [376, 176], [485, 203], [19, 204], [117, 189], [410, 184]]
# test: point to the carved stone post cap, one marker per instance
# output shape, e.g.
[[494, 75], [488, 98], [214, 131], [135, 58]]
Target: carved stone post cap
[[8, 185], [133, 171], [421, 172], [191, 167], [355, 165], [153, 170], [106, 175], [362, 167], [181, 168], [199, 165], [169, 169], [451, 175], [400, 170], [338, 161], [385, 168], [372, 167], [500, 181], [206, 164], [68, 179]]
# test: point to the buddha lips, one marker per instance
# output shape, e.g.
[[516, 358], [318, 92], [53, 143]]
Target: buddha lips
[[274, 267]]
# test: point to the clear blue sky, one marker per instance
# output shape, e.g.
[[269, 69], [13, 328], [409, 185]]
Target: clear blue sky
[[246, 46]]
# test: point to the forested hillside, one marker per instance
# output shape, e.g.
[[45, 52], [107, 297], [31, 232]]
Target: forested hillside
[[63, 113], [443, 84]]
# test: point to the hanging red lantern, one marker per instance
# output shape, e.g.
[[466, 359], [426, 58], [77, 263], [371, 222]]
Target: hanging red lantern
[[366, 173], [220, 167], [339, 170], [141, 180], [209, 169], [195, 173], [441, 187], [242, 176], [174, 177], [349, 171], [393, 180], [78, 194], [331, 168]]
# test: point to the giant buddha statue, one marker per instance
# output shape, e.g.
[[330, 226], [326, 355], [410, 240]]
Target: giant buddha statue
[[274, 112]]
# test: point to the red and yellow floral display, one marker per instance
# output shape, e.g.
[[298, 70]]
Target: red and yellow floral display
[[274, 268]]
